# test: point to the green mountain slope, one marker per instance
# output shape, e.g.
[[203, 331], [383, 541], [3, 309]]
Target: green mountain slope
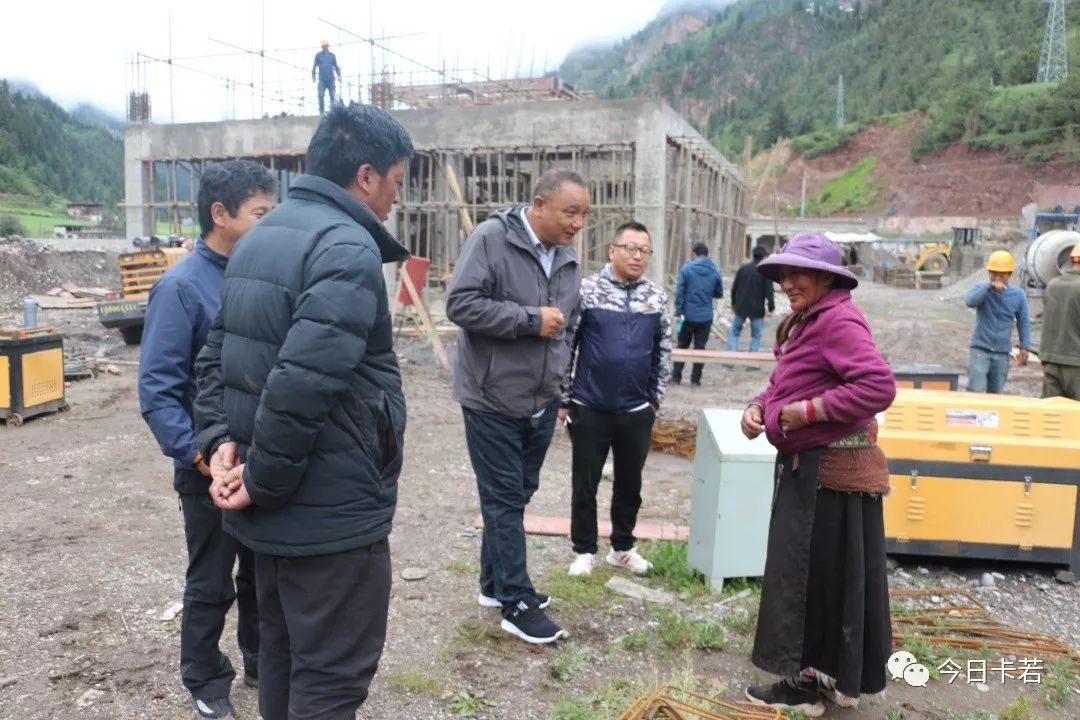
[[769, 68], [47, 155]]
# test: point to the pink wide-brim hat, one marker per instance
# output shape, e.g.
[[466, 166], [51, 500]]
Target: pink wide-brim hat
[[813, 251]]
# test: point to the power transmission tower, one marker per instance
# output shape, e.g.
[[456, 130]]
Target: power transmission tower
[[840, 102], [1053, 64]]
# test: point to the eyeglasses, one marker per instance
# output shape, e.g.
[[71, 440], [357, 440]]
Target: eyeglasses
[[633, 249]]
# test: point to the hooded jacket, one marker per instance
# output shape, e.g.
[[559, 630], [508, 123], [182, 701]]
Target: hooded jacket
[[299, 369], [503, 365], [698, 285]]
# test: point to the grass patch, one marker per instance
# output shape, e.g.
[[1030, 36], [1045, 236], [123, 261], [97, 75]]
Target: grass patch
[[415, 680], [569, 660], [37, 217], [633, 641], [1018, 709], [1057, 682], [854, 191], [708, 636], [465, 704], [605, 702], [587, 591], [673, 629], [742, 623], [462, 567], [676, 631], [471, 634], [672, 569], [572, 709], [790, 714]]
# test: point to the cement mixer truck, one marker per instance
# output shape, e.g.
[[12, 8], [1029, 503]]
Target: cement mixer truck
[[1053, 235]]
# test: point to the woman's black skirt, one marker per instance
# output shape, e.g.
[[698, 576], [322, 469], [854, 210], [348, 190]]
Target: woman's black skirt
[[825, 596]]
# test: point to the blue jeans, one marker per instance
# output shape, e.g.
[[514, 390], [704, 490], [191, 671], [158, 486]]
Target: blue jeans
[[325, 86], [987, 371], [506, 455], [757, 326]]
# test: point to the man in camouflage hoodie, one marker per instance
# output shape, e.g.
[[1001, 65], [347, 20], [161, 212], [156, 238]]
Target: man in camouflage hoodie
[[622, 350]]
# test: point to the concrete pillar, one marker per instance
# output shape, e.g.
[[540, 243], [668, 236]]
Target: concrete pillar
[[138, 192], [138, 215], [650, 178]]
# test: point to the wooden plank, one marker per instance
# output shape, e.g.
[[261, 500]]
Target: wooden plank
[[722, 356], [452, 181], [48, 302], [425, 319]]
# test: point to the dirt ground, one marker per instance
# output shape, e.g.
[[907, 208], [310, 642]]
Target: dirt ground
[[92, 555]]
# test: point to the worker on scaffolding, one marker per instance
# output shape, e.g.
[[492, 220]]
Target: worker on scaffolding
[[1059, 346], [326, 65], [998, 305]]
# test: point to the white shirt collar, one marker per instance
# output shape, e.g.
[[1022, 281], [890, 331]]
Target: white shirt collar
[[532, 235]]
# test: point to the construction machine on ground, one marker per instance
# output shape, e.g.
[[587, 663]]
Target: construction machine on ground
[[937, 256], [139, 270], [1053, 235]]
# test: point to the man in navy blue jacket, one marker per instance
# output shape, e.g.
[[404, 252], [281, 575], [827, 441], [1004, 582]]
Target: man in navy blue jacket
[[699, 284], [233, 196], [622, 349]]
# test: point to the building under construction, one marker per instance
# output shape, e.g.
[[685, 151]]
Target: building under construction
[[641, 159]]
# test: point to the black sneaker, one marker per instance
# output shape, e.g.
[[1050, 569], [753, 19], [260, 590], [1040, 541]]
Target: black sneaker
[[528, 622], [799, 694], [216, 708], [490, 601]]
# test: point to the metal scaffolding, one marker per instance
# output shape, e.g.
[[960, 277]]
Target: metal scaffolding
[[705, 202], [705, 199]]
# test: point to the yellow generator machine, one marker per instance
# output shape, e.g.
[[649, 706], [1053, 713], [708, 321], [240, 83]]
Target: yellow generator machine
[[983, 476], [31, 374]]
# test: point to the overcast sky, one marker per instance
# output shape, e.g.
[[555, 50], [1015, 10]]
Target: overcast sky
[[81, 51]]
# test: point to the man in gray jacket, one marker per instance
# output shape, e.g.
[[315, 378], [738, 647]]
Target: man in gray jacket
[[514, 294]]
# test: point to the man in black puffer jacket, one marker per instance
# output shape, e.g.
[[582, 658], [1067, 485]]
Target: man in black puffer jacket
[[302, 415]]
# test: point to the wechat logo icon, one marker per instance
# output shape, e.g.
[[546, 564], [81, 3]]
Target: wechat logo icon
[[902, 665]]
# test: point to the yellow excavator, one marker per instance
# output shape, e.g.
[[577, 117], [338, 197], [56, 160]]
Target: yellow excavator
[[936, 257]]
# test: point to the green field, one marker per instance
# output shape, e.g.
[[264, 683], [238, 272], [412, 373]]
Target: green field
[[37, 218]]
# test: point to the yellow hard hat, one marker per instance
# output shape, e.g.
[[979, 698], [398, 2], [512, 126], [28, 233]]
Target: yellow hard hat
[[1001, 261], [324, 43], [1075, 254]]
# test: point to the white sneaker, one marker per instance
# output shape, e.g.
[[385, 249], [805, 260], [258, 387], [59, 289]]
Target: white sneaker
[[630, 560], [582, 565]]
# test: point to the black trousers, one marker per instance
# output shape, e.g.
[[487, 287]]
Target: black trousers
[[699, 333], [208, 594], [323, 623], [507, 454], [593, 433]]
